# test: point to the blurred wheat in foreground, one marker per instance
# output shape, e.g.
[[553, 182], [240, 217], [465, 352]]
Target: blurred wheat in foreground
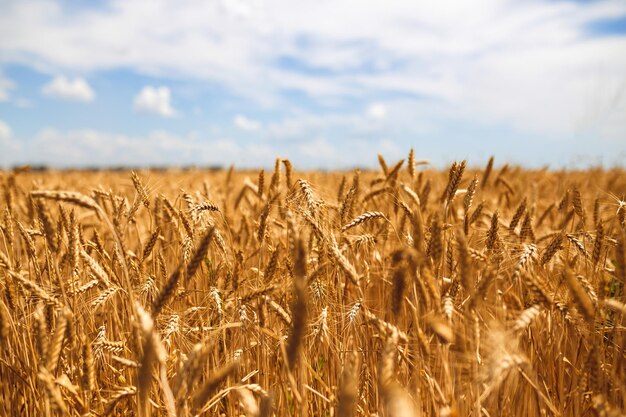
[[400, 292]]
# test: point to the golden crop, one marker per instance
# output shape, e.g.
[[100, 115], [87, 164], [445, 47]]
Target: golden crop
[[399, 292]]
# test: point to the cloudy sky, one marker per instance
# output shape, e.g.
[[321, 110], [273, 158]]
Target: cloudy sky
[[327, 83]]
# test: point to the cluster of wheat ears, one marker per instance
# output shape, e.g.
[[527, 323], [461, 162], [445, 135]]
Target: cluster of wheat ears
[[398, 292]]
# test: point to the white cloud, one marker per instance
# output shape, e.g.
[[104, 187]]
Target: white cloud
[[5, 86], [377, 111], [155, 100], [528, 65], [243, 123], [370, 123], [100, 148], [91, 147], [303, 126], [66, 89], [319, 150], [23, 103], [9, 147], [390, 149], [5, 132]]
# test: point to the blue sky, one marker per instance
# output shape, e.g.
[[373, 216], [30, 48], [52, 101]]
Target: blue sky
[[328, 84]]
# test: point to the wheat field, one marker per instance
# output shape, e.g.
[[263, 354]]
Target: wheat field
[[401, 291]]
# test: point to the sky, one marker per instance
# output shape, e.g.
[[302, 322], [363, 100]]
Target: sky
[[328, 84]]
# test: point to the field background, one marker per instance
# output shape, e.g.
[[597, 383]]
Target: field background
[[403, 291]]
